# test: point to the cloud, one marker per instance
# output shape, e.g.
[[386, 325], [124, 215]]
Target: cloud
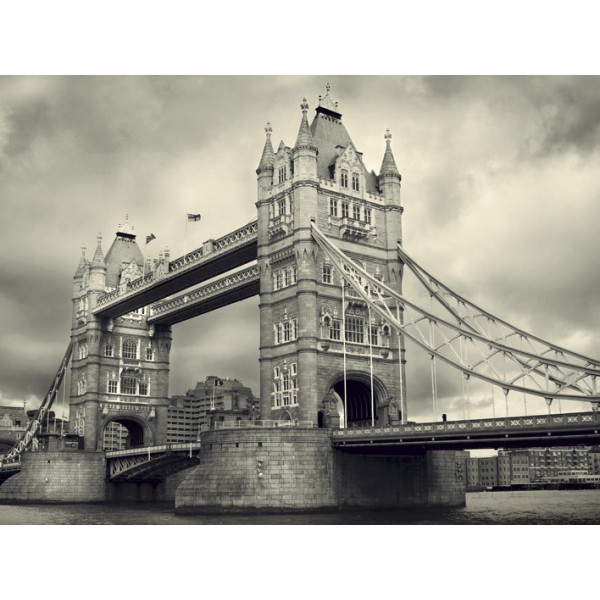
[[500, 188]]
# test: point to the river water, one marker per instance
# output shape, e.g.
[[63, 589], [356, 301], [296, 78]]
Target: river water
[[547, 507]]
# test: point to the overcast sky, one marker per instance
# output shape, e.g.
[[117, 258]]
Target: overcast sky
[[500, 184]]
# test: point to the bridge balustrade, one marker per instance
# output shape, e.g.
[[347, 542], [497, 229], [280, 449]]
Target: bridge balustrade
[[266, 423], [537, 422]]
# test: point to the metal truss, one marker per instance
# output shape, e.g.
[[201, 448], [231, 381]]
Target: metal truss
[[466, 345], [35, 425]]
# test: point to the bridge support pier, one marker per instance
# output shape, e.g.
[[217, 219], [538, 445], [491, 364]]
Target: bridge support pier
[[57, 477], [290, 469]]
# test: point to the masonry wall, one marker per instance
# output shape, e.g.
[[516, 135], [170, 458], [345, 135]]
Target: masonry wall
[[267, 469], [57, 477]]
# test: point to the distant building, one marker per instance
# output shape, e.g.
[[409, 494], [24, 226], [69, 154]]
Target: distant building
[[523, 466], [213, 401], [13, 421]]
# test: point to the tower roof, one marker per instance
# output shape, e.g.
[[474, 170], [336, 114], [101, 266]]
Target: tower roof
[[388, 166], [331, 138], [268, 157], [123, 250]]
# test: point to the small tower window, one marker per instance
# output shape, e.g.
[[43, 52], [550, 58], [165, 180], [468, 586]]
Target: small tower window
[[281, 206], [333, 207], [355, 182], [282, 174], [345, 209], [143, 388], [112, 386], [149, 353], [344, 178], [356, 212], [327, 274], [368, 216], [108, 349]]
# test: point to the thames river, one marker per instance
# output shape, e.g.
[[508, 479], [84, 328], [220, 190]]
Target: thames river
[[572, 507]]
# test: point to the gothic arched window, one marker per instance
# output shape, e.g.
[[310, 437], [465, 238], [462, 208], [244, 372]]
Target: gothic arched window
[[344, 178]]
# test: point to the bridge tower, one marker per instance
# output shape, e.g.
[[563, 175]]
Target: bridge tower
[[120, 368], [315, 348]]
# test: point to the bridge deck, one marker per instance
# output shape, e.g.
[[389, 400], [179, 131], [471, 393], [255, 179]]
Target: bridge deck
[[237, 286], [214, 258], [509, 432]]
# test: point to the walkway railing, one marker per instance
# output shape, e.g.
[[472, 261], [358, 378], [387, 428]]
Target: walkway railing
[[541, 422], [179, 447], [265, 424]]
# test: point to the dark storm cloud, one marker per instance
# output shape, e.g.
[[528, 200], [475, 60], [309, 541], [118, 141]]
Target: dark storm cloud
[[500, 188]]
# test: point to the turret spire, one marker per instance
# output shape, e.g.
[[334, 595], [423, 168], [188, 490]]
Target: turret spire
[[388, 166], [98, 260], [304, 139], [81, 265], [268, 157]]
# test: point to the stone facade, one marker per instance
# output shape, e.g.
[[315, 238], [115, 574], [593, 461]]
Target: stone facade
[[120, 368], [323, 179]]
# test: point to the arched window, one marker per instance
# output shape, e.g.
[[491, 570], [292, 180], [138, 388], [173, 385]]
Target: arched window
[[129, 349], [355, 182]]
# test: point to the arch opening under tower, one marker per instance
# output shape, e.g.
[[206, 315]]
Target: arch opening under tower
[[122, 434], [361, 407]]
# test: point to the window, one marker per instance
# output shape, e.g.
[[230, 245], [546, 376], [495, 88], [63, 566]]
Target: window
[[335, 331], [285, 331], [278, 280], [355, 180], [285, 390], [355, 330], [82, 350], [344, 178], [356, 212], [143, 388], [327, 274], [283, 278], [281, 206], [149, 353], [129, 349], [128, 386], [368, 216], [108, 349], [333, 207], [345, 209], [373, 333], [112, 387], [282, 174], [81, 386]]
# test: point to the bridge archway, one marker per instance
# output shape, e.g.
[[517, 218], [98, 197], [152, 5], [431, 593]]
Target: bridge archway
[[358, 403], [122, 433]]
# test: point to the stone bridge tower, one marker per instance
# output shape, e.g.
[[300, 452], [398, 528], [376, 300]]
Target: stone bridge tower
[[314, 349], [120, 367]]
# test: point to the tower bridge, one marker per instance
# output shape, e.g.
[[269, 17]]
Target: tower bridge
[[326, 257]]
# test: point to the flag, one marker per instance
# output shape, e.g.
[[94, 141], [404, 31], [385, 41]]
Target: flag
[[150, 237], [191, 217]]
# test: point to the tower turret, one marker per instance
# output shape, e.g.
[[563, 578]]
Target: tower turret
[[389, 176], [79, 273], [266, 166], [98, 269], [305, 152]]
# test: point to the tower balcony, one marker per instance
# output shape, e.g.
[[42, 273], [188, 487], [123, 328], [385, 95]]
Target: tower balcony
[[280, 225], [352, 228]]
